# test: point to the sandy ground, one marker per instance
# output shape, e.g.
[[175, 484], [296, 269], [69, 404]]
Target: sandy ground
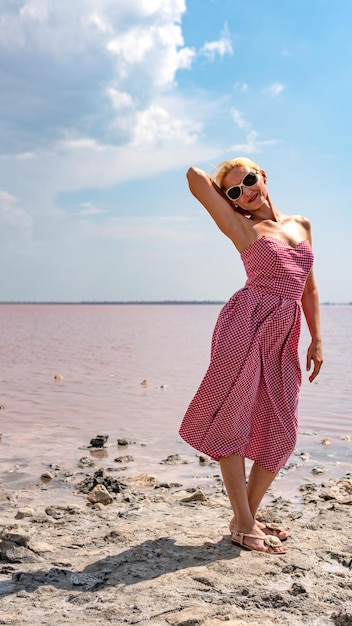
[[159, 555]]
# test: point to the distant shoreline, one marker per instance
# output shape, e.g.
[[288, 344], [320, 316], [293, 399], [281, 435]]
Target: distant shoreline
[[138, 302], [119, 302]]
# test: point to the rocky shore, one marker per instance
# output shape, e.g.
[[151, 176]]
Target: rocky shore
[[133, 550]]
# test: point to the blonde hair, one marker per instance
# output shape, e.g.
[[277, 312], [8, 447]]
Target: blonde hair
[[221, 170]]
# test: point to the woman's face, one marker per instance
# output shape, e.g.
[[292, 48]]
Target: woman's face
[[252, 197]]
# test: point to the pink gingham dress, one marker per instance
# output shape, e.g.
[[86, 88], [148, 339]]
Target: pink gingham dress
[[247, 402]]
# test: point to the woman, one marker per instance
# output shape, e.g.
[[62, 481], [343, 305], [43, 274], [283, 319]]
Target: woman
[[247, 403]]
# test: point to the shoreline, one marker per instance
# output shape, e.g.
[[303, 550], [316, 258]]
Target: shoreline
[[158, 554], [316, 457]]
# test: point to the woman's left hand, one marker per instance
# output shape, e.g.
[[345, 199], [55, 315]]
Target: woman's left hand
[[315, 354]]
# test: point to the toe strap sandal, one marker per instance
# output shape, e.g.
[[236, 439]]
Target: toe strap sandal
[[276, 527], [269, 541]]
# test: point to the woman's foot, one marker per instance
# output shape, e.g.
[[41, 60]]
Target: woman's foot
[[257, 542], [270, 528]]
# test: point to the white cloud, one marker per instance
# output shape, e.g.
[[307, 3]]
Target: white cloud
[[156, 126], [275, 89], [87, 209], [22, 156], [221, 47], [75, 163], [84, 61], [97, 99], [98, 22], [36, 10], [252, 144], [171, 228], [82, 143], [120, 99], [242, 87], [159, 49], [12, 215], [239, 120]]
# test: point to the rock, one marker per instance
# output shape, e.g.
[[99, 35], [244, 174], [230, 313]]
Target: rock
[[172, 459], [297, 589], [100, 495], [14, 553], [124, 459], [99, 441], [112, 484], [341, 492], [119, 536], [342, 619], [47, 477], [308, 488], [198, 496], [24, 512], [326, 441], [301, 454], [317, 470], [41, 546], [122, 442], [147, 479], [88, 581], [56, 512], [167, 485], [15, 534], [85, 461]]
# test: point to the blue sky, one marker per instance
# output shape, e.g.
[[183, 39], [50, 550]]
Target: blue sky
[[105, 104]]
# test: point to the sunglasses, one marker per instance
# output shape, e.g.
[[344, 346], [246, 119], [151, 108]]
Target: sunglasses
[[235, 192]]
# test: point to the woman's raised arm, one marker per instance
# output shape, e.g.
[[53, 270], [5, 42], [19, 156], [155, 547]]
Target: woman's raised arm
[[230, 222]]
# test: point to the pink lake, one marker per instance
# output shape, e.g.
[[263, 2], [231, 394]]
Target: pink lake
[[104, 352]]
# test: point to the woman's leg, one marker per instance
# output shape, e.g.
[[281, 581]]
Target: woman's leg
[[258, 484], [233, 473]]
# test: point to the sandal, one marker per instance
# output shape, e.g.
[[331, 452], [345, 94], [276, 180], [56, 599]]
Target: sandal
[[269, 540], [278, 529], [274, 529]]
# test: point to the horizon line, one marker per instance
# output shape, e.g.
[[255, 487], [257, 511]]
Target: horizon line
[[139, 302]]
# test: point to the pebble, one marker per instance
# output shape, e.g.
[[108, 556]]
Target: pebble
[[100, 495], [124, 459], [47, 476], [173, 459], [198, 496], [326, 441], [99, 441], [24, 512], [317, 470]]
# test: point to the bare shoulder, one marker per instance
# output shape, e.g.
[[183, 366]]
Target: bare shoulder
[[304, 221], [301, 222], [298, 219], [305, 225]]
